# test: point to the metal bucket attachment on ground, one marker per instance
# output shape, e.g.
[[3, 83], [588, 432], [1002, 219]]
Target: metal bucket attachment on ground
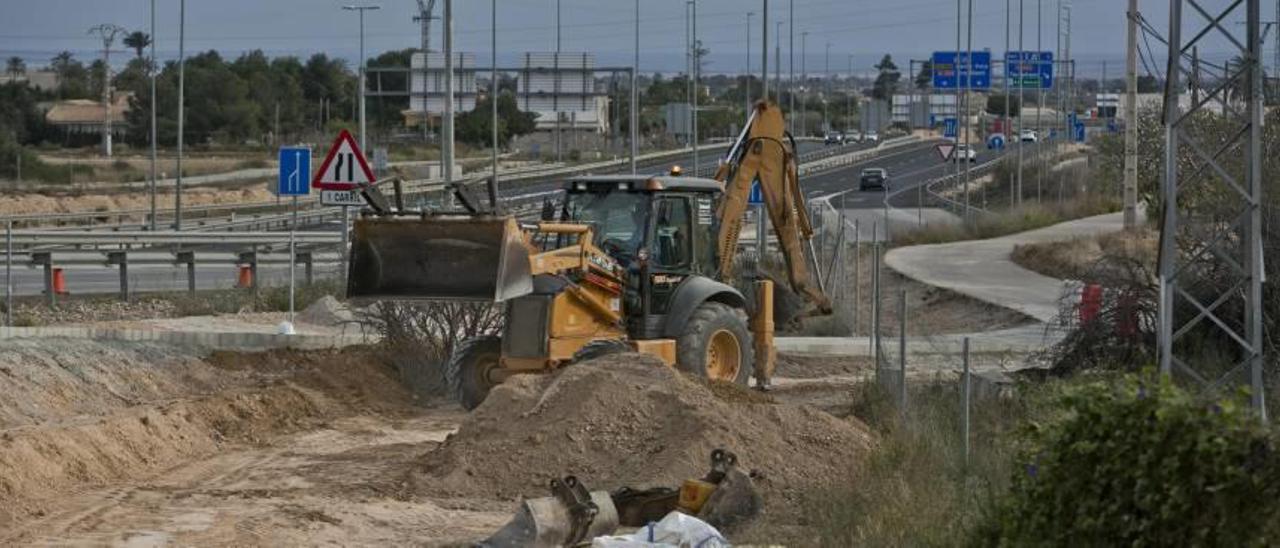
[[478, 258]]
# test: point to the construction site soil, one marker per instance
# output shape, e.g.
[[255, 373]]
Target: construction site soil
[[143, 444]]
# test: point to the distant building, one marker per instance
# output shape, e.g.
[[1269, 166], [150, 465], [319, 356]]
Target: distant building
[[43, 80], [87, 116], [563, 84], [427, 88], [921, 110]]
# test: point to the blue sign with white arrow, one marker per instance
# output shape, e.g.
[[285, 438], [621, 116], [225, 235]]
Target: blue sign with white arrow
[[757, 196], [1029, 69], [953, 70], [295, 172], [949, 129]]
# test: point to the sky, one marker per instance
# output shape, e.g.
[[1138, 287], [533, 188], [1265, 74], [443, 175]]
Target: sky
[[859, 32]]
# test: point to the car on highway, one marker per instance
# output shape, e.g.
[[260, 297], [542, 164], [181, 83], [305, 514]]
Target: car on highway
[[1029, 136], [964, 152], [871, 137], [833, 138], [853, 136], [874, 177]]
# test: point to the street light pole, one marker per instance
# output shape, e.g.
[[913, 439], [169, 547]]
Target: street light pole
[[1004, 127], [804, 83], [635, 91], [696, 74], [182, 107], [848, 99], [493, 101], [446, 144], [791, 66], [764, 49], [1021, 94], [154, 134], [826, 87], [746, 76], [361, 10], [777, 59]]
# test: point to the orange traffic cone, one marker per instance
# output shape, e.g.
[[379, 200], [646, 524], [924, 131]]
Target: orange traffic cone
[[246, 277], [59, 282]]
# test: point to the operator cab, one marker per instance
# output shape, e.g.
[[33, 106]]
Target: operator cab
[[667, 218], [659, 228]]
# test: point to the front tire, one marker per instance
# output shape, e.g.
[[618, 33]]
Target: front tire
[[468, 372], [716, 344]]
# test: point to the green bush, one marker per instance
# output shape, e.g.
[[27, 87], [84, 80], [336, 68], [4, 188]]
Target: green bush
[[1141, 463]]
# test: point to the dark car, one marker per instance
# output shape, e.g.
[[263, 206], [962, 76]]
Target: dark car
[[833, 138], [874, 177]]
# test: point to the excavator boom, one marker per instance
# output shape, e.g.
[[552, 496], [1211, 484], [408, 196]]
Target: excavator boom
[[764, 153]]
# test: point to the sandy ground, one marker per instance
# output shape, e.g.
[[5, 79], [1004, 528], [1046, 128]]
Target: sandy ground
[[284, 448]]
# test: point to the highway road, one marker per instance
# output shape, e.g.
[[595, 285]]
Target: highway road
[[89, 279], [909, 168]]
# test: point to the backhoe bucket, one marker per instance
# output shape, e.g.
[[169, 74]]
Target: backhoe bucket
[[467, 258]]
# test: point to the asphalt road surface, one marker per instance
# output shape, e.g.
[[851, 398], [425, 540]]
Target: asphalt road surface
[[909, 169]]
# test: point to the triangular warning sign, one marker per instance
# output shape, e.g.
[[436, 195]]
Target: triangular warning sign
[[345, 167], [945, 150]]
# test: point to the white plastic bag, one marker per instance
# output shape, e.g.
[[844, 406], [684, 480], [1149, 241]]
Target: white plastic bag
[[676, 530]]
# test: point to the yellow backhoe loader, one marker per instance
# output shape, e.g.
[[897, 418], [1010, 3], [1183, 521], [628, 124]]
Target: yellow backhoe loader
[[644, 263]]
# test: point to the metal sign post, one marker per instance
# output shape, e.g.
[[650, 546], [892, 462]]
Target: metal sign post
[[295, 180]]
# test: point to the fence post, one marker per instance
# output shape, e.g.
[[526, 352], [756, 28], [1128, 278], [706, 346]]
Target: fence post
[[121, 259], [965, 396], [875, 303], [44, 258], [902, 350], [189, 258], [857, 269], [8, 274]]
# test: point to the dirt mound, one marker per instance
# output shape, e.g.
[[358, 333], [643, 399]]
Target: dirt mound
[[326, 311], [628, 420], [92, 413]]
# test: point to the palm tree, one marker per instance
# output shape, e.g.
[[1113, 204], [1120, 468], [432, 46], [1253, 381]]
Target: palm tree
[[61, 65], [15, 67], [137, 40]]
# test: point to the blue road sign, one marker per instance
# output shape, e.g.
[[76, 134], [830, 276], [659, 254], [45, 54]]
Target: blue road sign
[[954, 69], [757, 196], [949, 128], [295, 172], [996, 141], [1029, 69], [1078, 132]]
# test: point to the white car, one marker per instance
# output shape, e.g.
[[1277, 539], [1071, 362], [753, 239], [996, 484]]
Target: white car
[[964, 152], [871, 136], [1029, 136]]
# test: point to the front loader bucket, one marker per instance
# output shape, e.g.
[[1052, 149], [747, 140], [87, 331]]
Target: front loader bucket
[[469, 258]]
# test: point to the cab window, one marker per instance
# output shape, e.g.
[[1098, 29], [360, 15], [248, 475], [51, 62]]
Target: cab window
[[672, 231]]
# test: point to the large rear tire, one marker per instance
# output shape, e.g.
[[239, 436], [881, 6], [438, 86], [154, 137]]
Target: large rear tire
[[716, 344], [469, 368]]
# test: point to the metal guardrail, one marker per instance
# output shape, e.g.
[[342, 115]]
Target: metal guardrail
[[123, 238]]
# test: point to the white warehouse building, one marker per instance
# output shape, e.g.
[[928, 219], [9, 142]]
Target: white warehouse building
[[427, 83], [563, 83]]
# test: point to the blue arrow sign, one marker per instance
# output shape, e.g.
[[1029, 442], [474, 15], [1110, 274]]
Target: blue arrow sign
[[996, 141], [954, 69], [295, 172], [757, 196], [949, 129], [1029, 69]]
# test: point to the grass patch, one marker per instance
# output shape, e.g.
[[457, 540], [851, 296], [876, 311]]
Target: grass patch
[[1022, 218], [915, 488]]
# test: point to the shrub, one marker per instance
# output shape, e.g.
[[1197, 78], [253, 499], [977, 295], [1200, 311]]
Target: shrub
[[1141, 463]]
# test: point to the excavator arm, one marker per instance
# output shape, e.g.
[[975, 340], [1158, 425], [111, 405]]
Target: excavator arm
[[764, 153]]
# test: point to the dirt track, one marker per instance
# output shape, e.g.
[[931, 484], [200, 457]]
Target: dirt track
[[143, 446]]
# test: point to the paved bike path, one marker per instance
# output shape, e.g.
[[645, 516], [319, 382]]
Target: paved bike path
[[984, 269]]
